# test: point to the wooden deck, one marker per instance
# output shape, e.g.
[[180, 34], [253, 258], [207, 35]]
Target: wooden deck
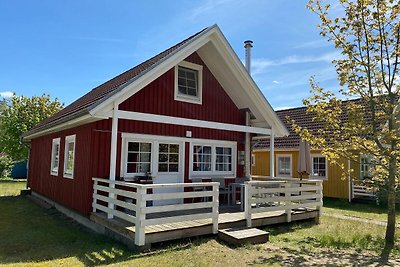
[[171, 231]]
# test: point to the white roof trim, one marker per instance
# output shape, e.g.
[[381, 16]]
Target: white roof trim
[[212, 34]]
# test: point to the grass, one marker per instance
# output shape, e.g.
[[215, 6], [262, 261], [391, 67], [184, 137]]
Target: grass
[[31, 235], [10, 187], [362, 210]]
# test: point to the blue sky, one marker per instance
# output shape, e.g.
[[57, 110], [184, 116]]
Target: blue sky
[[66, 48]]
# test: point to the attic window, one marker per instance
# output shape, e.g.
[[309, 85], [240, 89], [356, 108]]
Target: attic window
[[188, 82]]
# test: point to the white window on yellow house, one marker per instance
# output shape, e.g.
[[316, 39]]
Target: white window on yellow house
[[55, 156], [284, 165], [319, 167], [365, 166], [69, 156]]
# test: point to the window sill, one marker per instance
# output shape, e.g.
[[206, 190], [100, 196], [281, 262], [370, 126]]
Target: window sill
[[68, 176], [192, 100]]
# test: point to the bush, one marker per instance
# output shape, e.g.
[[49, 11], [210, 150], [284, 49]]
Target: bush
[[382, 197], [6, 164]]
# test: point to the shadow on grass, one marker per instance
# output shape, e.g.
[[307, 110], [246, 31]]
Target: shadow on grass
[[365, 207], [33, 234], [307, 257]]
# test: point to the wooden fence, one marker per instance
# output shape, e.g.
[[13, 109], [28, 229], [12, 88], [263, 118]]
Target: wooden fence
[[281, 195], [134, 203]]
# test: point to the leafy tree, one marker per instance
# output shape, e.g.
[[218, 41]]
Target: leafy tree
[[368, 37], [21, 114], [3, 105]]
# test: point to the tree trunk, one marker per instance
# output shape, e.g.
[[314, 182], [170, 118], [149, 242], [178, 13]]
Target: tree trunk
[[391, 211]]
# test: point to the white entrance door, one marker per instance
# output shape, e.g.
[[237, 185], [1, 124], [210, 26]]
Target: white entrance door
[[168, 168]]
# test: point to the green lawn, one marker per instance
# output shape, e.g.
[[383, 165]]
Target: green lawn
[[30, 235], [362, 210]]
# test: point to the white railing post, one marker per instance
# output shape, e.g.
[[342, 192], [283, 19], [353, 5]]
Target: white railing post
[[215, 208], [140, 216], [94, 195], [288, 209], [247, 203], [321, 201]]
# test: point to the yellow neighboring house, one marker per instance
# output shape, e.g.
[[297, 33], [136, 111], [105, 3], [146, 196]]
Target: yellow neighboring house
[[286, 159]]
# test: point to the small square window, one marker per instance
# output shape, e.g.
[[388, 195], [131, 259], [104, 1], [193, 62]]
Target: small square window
[[188, 82], [284, 165], [319, 167]]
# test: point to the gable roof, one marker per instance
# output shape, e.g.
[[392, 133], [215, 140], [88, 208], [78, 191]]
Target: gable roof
[[95, 104], [305, 120]]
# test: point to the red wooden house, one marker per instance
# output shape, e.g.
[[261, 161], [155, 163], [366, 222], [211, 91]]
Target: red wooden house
[[186, 113]]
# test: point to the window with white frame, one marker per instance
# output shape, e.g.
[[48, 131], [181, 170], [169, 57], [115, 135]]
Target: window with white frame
[[168, 158], [223, 162], [213, 160], [365, 166], [284, 165], [202, 158], [188, 82], [253, 160], [139, 157], [319, 167], [69, 156], [55, 156]]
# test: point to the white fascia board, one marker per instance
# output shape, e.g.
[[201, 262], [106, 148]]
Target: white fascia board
[[247, 82], [156, 72], [63, 126], [137, 116]]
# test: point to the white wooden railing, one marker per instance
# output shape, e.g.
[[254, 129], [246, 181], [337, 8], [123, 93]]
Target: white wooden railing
[[282, 195], [359, 189], [134, 203]]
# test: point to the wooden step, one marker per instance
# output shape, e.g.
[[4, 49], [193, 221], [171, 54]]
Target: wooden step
[[243, 236]]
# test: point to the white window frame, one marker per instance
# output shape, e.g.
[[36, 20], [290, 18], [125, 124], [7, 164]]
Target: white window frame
[[155, 140], [370, 165], [213, 173], [187, 98], [53, 170], [312, 167], [277, 164], [253, 159], [69, 139]]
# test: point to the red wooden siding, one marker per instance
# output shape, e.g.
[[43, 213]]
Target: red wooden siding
[[158, 98], [93, 141], [73, 193]]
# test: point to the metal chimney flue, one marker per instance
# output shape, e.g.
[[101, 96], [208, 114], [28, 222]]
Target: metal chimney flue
[[248, 45]]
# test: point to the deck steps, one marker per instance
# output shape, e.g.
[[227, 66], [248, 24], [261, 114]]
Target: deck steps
[[242, 236]]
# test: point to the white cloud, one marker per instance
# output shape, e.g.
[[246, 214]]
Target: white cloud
[[313, 44], [260, 64], [6, 94], [207, 7], [276, 82]]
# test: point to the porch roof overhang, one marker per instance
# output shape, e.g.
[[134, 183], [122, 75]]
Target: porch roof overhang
[[137, 116]]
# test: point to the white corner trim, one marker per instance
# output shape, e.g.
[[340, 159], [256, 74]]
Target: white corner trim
[[138, 116]]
